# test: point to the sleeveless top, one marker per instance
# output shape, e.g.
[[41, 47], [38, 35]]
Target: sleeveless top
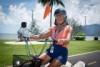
[[61, 35]]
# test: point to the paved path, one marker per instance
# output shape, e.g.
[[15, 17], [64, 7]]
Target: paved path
[[23, 42], [91, 59]]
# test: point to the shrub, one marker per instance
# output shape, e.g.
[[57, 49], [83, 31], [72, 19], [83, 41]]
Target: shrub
[[95, 38], [80, 36]]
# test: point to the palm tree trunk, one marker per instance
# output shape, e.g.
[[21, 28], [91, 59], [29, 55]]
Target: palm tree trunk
[[51, 17], [51, 3]]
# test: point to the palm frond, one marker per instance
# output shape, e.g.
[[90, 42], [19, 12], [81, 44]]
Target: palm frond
[[61, 3], [44, 2]]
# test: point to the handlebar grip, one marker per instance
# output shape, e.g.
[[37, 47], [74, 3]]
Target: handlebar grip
[[55, 41], [26, 38]]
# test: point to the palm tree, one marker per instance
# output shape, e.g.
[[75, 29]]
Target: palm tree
[[52, 2], [44, 2]]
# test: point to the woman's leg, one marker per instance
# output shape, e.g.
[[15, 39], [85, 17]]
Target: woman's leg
[[45, 58], [55, 63]]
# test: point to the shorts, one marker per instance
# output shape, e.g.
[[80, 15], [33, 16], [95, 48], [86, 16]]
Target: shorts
[[58, 53]]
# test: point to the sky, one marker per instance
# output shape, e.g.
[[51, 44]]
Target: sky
[[13, 12]]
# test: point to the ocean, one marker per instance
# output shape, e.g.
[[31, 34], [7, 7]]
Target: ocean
[[8, 36], [15, 37]]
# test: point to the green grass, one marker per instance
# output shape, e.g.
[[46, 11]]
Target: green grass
[[75, 47]]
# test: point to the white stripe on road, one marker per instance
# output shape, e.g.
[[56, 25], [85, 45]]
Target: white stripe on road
[[94, 62]]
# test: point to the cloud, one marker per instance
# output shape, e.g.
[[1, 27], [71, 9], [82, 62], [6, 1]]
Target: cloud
[[16, 15], [38, 16], [76, 9], [2, 15]]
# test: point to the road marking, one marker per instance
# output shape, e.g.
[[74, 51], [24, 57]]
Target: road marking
[[84, 53], [92, 63]]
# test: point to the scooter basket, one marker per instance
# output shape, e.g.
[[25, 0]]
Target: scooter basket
[[25, 61]]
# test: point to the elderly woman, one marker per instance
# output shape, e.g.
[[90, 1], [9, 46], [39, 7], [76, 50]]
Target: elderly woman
[[57, 53]]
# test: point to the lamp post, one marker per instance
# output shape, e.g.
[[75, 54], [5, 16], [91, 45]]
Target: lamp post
[[85, 19], [32, 15]]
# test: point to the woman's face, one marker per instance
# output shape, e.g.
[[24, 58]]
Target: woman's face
[[60, 19]]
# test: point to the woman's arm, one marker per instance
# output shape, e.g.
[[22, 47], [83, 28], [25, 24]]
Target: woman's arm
[[42, 36], [68, 38]]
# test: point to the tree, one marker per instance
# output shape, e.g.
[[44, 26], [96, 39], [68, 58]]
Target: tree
[[76, 26], [34, 28], [52, 2]]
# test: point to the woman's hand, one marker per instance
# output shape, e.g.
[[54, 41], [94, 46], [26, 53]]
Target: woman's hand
[[60, 41], [63, 41]]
